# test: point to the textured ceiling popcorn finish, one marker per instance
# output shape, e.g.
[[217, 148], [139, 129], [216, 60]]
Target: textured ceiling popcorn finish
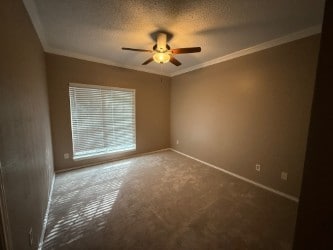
[[96, 30]]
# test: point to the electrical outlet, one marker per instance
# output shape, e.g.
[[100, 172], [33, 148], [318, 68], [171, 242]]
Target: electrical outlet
[[177, 142], [31, 237], [66, 156], [284, 176], [258, 166]]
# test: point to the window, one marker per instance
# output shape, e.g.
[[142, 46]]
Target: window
[[103, 120]]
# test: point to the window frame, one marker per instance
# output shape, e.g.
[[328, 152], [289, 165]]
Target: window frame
[[94, 86]]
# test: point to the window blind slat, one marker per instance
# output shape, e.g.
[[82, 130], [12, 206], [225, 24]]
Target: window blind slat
[[103, 120]]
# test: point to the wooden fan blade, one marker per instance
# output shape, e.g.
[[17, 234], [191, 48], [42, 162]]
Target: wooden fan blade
[[175, 61], [186, 50], [148, 61], [139, 50]]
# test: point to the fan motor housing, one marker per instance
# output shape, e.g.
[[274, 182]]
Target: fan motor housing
[[155, 48]]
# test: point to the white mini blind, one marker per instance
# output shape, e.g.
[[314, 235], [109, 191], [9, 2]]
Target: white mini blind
[[103, 120]]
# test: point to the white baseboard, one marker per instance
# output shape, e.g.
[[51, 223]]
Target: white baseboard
[[290, 197], [109, 161], [46, 216]]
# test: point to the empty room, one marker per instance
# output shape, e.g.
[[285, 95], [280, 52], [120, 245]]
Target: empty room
[[166, 124]]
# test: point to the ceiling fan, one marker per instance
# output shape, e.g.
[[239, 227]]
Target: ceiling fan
[[162, 53]]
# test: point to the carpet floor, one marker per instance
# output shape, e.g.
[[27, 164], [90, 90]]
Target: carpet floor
[[164, 201]]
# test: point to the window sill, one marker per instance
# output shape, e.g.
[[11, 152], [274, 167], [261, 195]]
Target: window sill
[[103, 155]]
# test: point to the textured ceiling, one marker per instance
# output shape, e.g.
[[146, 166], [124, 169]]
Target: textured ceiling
[[97, 29]]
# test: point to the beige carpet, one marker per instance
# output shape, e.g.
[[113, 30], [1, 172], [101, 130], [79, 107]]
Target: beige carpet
[[164, 201]]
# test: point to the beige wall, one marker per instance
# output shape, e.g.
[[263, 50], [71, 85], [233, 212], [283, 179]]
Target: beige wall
[[252, 109], [152, 104], [25, 136]]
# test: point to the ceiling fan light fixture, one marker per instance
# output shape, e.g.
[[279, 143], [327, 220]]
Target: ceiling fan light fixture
[[161, 57], [162, 53]]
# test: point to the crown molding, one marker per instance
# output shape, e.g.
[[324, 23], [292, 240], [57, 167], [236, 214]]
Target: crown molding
[[266, 45], [35, 19], [33, 13], [103, 61]]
